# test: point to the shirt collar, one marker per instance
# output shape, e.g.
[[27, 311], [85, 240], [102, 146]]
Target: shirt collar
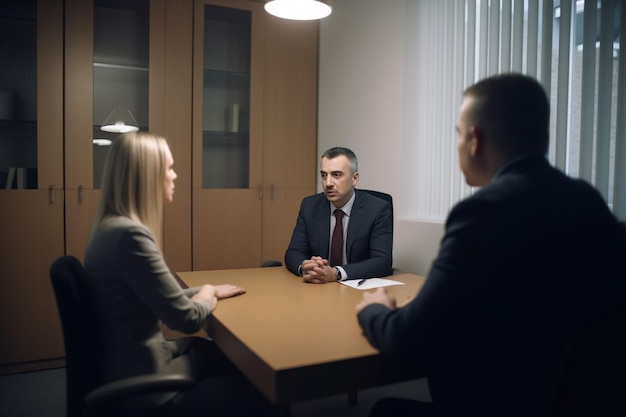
[[515, 161], [347, 208]]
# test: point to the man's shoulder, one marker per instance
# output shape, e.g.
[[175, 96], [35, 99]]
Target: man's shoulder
[[376, 197], [367, 199], [314, 199]]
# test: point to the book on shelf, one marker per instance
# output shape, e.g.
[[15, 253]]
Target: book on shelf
[[10, 177], [20, 173], [21, 178]]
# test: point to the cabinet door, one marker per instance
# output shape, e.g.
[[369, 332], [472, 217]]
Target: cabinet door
[[29, 323], [31, 219], [290, 168], [107, 47], [227, 149], [171, 54]]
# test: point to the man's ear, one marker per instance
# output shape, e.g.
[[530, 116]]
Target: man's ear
[[476, 141], [355, 178]]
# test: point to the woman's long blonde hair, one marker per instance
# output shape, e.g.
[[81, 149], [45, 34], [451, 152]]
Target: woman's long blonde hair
[[132, 181]]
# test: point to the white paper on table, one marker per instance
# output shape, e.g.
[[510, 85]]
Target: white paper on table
[[370, 283]]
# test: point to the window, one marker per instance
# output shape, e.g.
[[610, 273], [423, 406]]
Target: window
[[572, 47]]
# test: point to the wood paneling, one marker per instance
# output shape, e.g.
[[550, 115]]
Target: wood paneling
[[226, 229], [32, 238], [177, 88]]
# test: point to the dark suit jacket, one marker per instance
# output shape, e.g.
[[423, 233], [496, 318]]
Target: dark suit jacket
[[524, 264], [369, 239]]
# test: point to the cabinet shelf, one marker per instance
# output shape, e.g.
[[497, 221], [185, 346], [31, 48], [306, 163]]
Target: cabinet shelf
[[219, 133], [217, 72], [19, 124], [119, 67], [236, 81]]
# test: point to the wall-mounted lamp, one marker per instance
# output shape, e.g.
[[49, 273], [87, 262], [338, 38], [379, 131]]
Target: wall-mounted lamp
[[120, 120], [298, 9]]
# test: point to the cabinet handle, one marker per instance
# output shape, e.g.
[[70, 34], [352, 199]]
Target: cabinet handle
[[80, 194], [260, 191], [272, 192], [51, 194]]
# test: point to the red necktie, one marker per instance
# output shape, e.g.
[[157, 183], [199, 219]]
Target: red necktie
[[336, 245]]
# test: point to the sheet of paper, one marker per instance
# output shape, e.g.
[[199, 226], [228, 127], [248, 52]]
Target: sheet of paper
[[370, 283]]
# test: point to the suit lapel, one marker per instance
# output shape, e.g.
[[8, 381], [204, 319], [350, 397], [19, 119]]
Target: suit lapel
[[356, 218], [322, 224]]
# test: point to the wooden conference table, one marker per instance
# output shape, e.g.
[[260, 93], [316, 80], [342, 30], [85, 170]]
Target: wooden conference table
[[298, 341]]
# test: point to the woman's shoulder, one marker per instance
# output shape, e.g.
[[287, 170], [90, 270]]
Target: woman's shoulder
[[115, 234], [123, 228], [121, 223]]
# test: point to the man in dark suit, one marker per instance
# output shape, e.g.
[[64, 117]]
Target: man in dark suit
[[525, 264], [366, 222]]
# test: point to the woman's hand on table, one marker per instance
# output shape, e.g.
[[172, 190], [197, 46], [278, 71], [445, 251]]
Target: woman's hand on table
[[228, 290]]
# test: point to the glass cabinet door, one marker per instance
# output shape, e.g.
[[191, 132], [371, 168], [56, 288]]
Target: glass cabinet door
[[18, 94], [31, 159], [106, 53], [226, 98], [227, 154], [120, 73]]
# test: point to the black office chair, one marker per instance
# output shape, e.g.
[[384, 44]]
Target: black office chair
[[383, 196], [82, 396], [593, 380], [271, 263]]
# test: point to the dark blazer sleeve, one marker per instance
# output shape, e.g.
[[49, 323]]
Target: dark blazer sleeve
[[312, 228], [411, 332]]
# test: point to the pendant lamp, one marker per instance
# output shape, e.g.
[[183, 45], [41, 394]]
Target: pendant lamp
[[298, 9], [120, 120]]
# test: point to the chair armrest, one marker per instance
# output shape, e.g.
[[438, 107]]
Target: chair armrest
[[134, 386]]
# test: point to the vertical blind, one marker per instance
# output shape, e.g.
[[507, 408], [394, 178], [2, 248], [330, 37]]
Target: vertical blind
[[571, 47]]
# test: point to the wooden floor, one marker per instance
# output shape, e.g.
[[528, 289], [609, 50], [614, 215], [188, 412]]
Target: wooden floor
[[42, 394]]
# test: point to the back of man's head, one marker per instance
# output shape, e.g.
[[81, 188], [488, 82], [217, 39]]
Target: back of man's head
[[514, 111]]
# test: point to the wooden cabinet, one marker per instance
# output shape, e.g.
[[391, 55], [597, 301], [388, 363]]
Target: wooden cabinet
[[106, 66], [254, 131], [290, 165], [88, 55], [240, 179], [170, 115], [135, 55], [31, 220]]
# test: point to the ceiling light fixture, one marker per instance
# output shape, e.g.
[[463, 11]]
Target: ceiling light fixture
[[102, 142], [120, 121], [298, 9]]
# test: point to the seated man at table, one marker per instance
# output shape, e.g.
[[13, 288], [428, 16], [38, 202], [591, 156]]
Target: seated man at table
[[364, 220], [525, 264]]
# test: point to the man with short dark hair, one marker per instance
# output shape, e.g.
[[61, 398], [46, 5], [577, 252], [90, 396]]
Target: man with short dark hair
[[525, 264], [365, 232]]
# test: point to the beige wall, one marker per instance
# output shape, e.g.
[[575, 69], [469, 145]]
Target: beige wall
[[361, 87]]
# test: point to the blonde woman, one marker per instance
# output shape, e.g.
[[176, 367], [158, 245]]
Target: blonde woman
[[132, 291]]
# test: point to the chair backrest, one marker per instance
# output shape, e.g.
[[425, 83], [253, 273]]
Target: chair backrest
[[593, 380], [383, 196], [66, 274], [271, 263]]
